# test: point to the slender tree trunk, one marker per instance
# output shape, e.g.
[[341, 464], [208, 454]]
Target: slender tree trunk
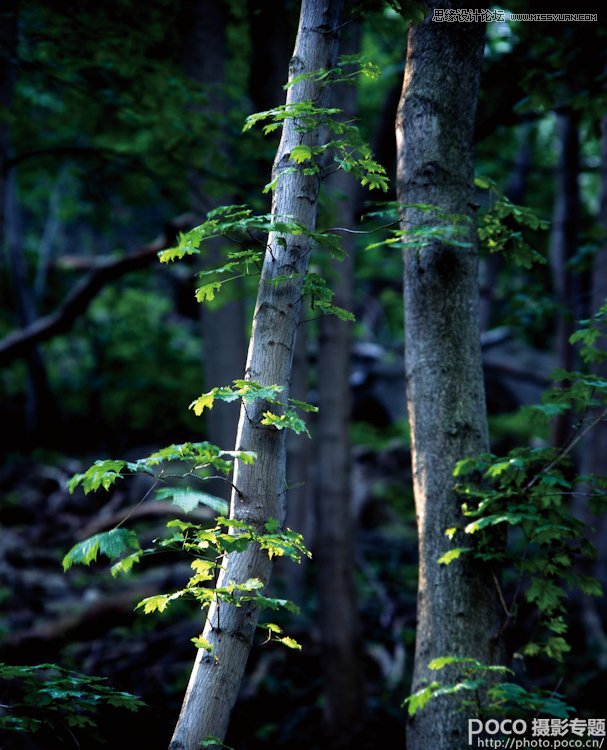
[[272, 27], [563, 246], [457, 605], [38, 400], [8, 74], [594, 450], [216, 678], [300, 476], [223, 328], [335, 545]]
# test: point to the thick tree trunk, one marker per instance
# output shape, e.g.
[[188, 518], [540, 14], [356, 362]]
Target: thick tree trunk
[[458, 612], [335, 546], [216, 678]]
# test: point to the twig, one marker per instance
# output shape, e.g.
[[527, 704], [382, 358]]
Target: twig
[[569, 445]]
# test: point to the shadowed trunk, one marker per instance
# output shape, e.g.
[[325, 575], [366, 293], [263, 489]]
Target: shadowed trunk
[[224, 346], [457, 605], [594, 449], [335, 544], [563, 246]]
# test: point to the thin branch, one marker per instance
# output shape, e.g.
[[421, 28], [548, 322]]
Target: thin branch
[[501, 596], [568, 447], [155, 484], [361, 231]]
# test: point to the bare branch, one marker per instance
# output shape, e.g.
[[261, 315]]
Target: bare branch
[[19, 343]]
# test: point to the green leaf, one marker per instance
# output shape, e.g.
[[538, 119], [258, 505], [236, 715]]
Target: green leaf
[[484, 183], [289, 420], [206, 293], [289, 643], [556, 648], [126, 564], [546, 594], [418, 700], [272, 524], [272, 627], [303, 405], [203, 644], [301, 153], [159, 602], [103, 473], [202, 402], [453, 554], [112, 543], [590, 586], [188, 499]]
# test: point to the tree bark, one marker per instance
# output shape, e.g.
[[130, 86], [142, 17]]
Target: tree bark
[[216, 678], [8, 74], [594, 450], [335, 545], [223, 328], [457, 605], [563, 246]]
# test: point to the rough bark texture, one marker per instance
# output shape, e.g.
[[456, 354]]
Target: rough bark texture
[[216, 679], [335, 546], [458, 611]]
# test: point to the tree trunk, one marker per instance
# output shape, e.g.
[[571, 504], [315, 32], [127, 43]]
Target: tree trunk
[[594, 450], [223, 328], [563, 246], [8, 74], [38, 402], [216, 678], [457, 605], [335, 545]]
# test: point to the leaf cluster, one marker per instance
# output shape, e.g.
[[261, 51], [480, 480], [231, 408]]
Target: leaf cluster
[[208, 545], [501, 227], [505, 699], [348, 69], [591, 337], [448, 229], [202, 459], [348, 148], [249, 391], [50, 697], [527, 492], [238, 224]]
